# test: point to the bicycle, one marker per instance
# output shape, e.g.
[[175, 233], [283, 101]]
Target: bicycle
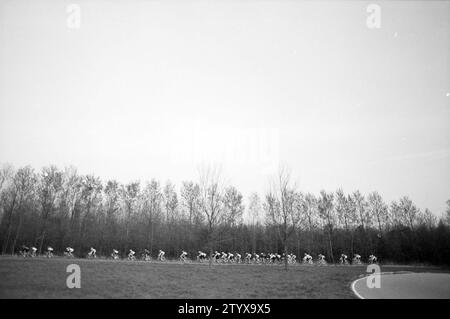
[[343, 262], [185, 260], [356, 261], [322, 262], [91, 256]]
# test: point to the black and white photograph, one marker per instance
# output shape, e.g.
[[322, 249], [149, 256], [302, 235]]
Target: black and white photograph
[[231, 152]]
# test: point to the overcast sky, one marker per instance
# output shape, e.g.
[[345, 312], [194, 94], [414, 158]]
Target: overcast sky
[[147, 89]]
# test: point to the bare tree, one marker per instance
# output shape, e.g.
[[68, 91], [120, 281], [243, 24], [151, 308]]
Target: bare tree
[[6, 173], [233, 212], [352, 219], [9, 199], [111, 198], [341, 209], [311, 215], [361, 209], [48, 190], [69, 198], [190, 195], [15, 197], [281, 208], [344, 208], [447, 213], [233, 206], [254, 210], [130, 195], [300, 217], [170, 202], [211, 202], [91, 188], [395, 214], [408, 211], [326, 213], [427, 219], [378, 209], [152, 206], [24, 182]]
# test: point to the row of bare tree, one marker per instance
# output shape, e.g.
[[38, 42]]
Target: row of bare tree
[[63, 208]]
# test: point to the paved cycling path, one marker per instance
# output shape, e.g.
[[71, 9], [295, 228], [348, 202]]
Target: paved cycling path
[[406, 286]]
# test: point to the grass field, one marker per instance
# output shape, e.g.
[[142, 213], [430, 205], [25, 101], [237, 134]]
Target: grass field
[[46, 278]]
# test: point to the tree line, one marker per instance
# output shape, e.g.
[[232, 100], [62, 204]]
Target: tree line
[[60, 207]]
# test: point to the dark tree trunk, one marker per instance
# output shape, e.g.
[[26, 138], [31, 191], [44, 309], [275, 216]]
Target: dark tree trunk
[[9, 227]]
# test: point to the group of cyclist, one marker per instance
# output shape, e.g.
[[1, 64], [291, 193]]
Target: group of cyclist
[[343, 260], [247, 258], [28, 252], [145, 255], [217, 257]]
